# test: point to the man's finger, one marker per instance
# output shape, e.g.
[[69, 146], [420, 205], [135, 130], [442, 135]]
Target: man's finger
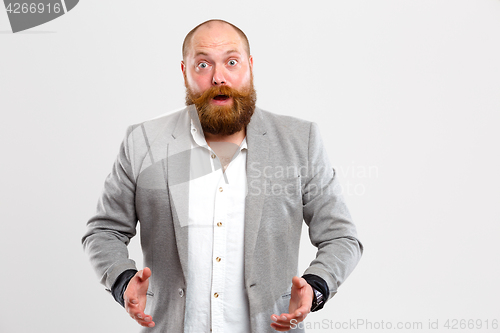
[[283, 319], [145, 323], [130, 302], [303, 310], [140, 316], [142, 319], [301, 317], [144, 274], [281, 328], [298, 282]]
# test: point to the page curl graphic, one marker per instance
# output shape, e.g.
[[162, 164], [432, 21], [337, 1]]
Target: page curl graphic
[[26, 14]]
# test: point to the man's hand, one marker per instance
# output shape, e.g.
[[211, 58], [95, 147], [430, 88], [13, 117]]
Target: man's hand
[[300, 305], [135, 298]]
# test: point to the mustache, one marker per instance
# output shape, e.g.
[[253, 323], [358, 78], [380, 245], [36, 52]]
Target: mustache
[[214, 91]]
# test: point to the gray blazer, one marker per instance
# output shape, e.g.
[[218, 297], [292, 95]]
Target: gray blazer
[[290, 180]]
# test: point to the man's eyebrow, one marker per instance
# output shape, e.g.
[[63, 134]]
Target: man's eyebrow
[[232, 51], [200, 53]]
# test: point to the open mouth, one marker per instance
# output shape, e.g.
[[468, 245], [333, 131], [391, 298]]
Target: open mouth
[[221, 97]]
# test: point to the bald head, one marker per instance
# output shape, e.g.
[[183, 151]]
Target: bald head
[[213, 26]]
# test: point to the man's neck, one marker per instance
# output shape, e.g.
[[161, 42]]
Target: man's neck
[[236, 138], [225, 146]]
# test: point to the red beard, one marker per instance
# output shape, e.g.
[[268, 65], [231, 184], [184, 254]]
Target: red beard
[[223, 119]]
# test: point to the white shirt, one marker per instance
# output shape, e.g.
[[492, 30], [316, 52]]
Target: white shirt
[[216, 299]]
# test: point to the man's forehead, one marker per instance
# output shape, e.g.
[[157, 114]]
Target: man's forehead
[[216, 36], [207, 52]]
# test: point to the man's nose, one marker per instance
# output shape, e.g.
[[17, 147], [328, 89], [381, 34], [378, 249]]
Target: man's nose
[[218, 78]]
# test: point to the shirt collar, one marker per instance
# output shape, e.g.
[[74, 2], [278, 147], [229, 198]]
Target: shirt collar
[[200, 140], [197, 135]]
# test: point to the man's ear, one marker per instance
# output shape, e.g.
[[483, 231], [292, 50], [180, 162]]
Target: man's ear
[[250, 61], [183, 67]]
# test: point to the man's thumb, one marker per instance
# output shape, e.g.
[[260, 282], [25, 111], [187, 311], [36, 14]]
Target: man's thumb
[[298, 282], [144, 274]]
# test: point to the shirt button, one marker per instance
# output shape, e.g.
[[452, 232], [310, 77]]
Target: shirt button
[[219, 224], [216, 295], [213, 156], [218, 259], [220, 189], [181, 292]]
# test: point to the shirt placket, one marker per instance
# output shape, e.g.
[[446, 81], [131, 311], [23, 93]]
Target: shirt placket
[[219, 255]]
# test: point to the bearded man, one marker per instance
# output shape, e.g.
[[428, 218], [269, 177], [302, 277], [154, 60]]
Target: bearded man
[[221, 189]]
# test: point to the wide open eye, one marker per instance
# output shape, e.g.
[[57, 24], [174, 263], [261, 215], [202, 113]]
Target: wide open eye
[[232, 62], [203, 65]]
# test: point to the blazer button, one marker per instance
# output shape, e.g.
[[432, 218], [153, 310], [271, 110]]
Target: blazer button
[[181, 292]]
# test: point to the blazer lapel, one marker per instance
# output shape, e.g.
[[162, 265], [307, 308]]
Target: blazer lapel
[[257, 157], [178, 173]]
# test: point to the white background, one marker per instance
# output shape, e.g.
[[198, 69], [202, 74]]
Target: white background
[[406, 94]]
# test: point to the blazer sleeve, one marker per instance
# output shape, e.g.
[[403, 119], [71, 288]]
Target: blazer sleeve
[[109, 231], [331, 229]]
